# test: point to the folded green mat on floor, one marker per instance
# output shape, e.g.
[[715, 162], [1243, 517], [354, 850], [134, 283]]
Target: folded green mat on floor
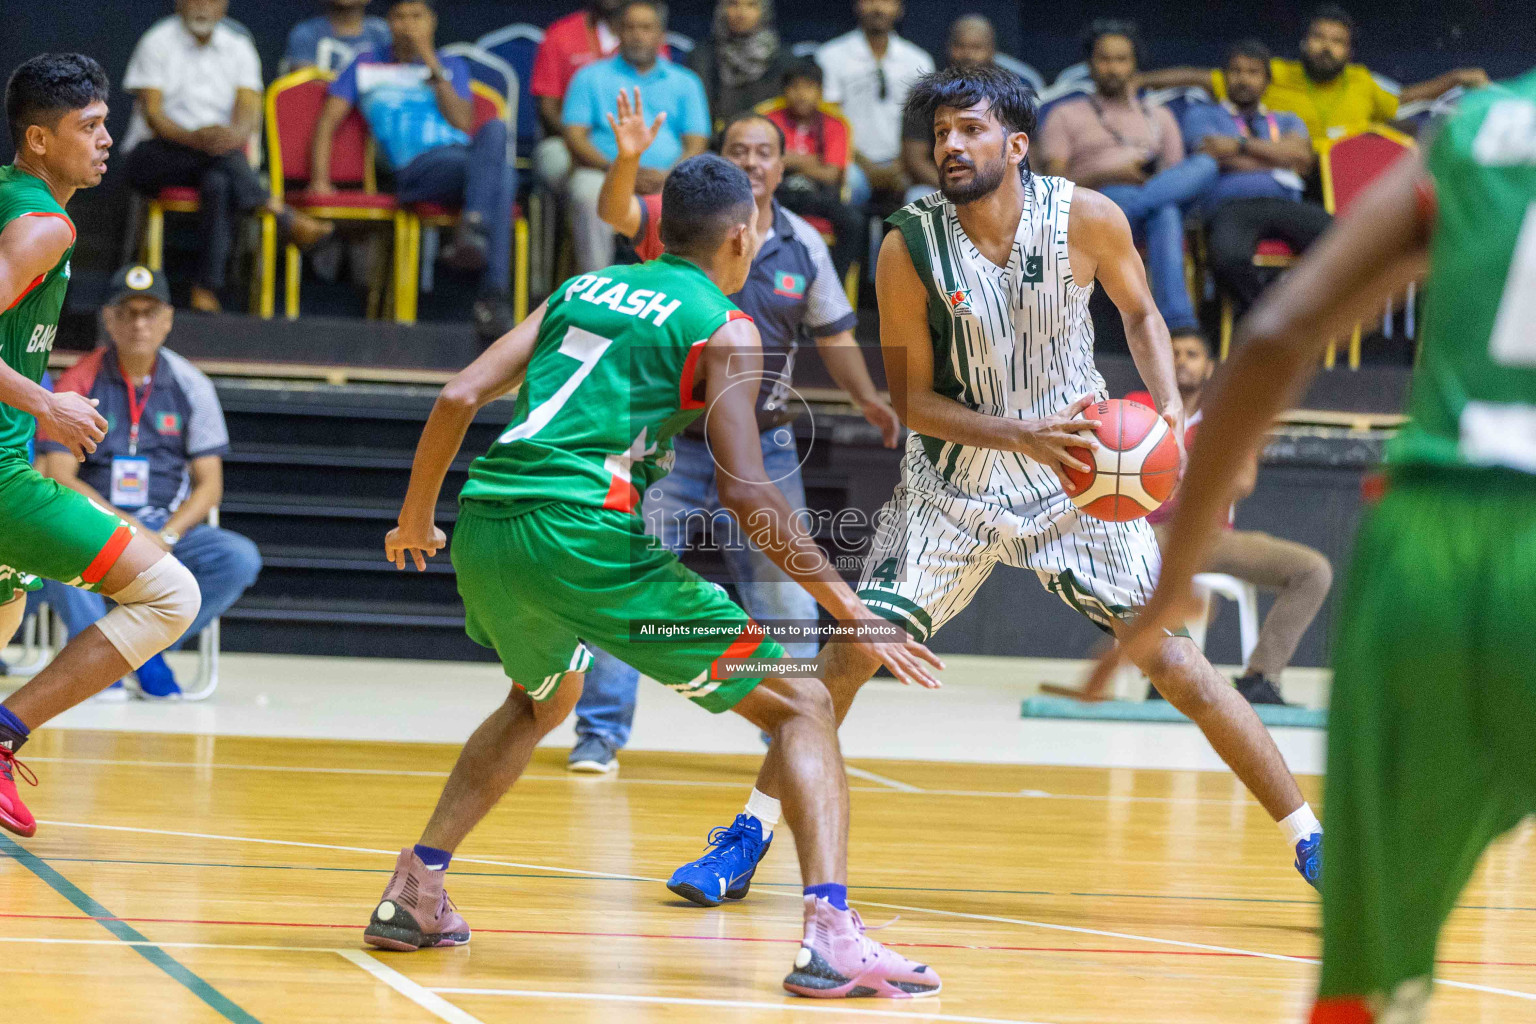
[[1161, 711]]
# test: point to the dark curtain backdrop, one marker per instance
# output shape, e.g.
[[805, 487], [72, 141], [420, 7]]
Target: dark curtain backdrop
[[1407, 39]]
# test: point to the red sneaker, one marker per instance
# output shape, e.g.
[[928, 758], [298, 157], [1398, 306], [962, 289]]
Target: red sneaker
[[14, 816]]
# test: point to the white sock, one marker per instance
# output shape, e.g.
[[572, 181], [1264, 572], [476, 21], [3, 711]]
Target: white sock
[[1299, 824], [765, 809]]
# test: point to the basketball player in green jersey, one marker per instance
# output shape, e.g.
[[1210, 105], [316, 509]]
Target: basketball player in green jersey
[[551, 555], [1434, 694], [56, 106]]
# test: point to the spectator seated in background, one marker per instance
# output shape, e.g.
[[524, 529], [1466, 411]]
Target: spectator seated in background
[[419, 107], [868, 73], [666, 88], [1263, 157], [1298, 575], [1111, 141], [160, 467], [816, 155], [972, 40], [792, 293], [1332, 97], [336, 38], [570, 44], [742, 62], [198, 84]]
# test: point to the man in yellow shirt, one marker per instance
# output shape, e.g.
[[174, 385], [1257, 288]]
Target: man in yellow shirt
[[1331, 96]]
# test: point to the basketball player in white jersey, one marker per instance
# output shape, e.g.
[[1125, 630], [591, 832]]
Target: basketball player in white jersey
[[988, 350]]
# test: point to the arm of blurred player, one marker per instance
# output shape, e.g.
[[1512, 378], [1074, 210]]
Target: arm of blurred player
[[733, 365], [1369, 255], [617, 204], [907, 346], [1100, 246], [499, 369]]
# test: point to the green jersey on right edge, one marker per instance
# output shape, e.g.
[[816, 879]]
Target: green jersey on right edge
[[1473, 400], [611, 380]]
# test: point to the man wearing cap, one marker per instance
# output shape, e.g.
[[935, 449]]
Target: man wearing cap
[[160, 467]]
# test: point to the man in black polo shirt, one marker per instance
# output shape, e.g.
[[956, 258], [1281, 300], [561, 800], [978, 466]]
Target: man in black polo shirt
[[793, 291], [160, 467]]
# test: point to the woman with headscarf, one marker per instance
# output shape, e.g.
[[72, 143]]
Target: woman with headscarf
[[741, 62]]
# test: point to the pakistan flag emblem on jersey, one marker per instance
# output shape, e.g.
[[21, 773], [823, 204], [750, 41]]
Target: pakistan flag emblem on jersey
[[1034, 269]]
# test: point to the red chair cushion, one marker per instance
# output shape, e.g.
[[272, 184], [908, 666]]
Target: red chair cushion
[[344, 199], [821, 224], [1274, 247], [434, 210], [177, 194]]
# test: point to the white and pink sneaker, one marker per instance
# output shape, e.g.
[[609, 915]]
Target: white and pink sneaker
[[838, 961]]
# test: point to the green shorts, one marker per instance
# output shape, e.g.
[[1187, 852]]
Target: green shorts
[[1430, 725], [48, 530], [541, 583]]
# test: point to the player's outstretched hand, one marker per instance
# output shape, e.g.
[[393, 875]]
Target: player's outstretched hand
[[881, 416], [906, 660], [630, 132], [1046, 440], [417, 541], [72, 420]]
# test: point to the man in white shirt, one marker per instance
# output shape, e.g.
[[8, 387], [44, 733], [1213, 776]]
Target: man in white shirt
[[868, 72], [197, 80]]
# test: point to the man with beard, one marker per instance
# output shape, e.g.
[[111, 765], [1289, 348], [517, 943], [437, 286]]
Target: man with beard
[[1332, 97], [1113, 141], [334, 39], [988, 347], [972, 40]]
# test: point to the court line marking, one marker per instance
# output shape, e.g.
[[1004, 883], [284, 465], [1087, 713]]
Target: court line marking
[[422, 997], [1021, 922], [620, 780], [869, 776], [728, 1004], [157, 956]]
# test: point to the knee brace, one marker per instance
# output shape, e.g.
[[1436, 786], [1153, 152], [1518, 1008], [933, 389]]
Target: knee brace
[[152, 612]]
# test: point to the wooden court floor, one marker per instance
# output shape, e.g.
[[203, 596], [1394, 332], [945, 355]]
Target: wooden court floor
[[185, 878]]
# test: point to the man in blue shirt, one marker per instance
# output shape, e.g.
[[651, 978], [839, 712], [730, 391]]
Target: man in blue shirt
[[1262, 156], [420, 109], [666, 89], [334, 39]]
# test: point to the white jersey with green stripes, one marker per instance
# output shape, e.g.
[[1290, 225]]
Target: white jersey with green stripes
[[1014, 341]]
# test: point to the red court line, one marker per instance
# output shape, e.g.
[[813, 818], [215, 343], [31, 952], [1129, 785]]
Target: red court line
[[730, 938]]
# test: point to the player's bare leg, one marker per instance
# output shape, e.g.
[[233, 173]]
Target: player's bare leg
[[89, 663], [845, 669], [10, 618], [415, 912], [157, 599], [836, 959], [1189, 682]]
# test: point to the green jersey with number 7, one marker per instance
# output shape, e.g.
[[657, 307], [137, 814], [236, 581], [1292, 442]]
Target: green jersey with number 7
[[611, 380], [1474, 389]]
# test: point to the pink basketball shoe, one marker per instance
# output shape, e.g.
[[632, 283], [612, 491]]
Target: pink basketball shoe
[[415, 912], [838, 961]]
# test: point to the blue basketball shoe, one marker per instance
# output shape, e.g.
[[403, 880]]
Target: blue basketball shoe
[[725, 871], [1309, 859]]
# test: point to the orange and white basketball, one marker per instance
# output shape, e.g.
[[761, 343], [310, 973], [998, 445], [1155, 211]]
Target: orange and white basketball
[[1135, 467]]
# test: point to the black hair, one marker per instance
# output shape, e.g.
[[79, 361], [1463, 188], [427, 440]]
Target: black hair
[[802, 68], [1333, 12], [1101, 27], [430, 5], [1253, 49], [659, 6], [703, 198], [1205, 343], [1013, 100], [45, 88], [750, 115]]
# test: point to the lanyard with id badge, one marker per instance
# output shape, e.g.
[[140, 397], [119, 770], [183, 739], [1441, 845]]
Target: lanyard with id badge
[[130, 473]]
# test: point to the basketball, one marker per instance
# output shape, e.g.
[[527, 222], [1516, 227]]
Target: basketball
[[1135, 467]]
